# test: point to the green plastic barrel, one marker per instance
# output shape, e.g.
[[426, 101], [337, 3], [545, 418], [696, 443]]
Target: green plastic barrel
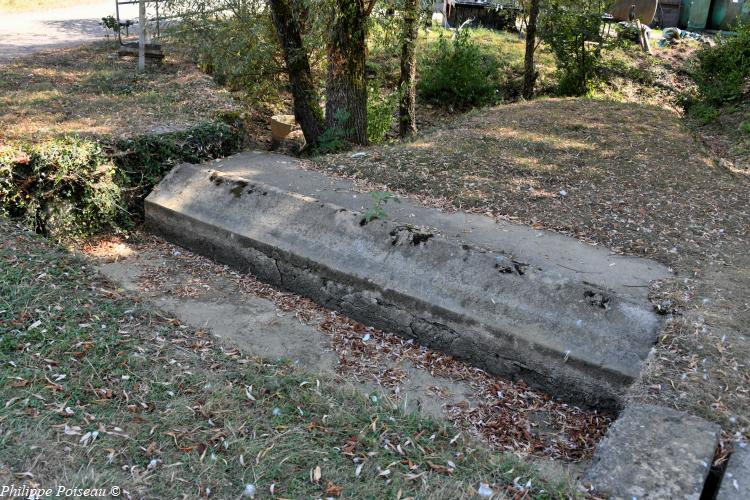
[[714, 14], [725, 14]]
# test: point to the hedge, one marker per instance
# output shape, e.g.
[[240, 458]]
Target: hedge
[[72, 186]]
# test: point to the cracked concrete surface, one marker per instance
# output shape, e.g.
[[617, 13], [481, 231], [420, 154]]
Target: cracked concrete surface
[[497, 298]]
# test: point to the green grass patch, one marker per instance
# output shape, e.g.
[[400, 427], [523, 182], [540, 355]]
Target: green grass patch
[[99, 391]]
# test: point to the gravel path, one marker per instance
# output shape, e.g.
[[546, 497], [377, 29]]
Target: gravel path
[[27, 32]]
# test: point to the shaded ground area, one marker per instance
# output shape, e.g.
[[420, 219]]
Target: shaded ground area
[[99, 389], [623, 175], [728, 137], [89, 90]]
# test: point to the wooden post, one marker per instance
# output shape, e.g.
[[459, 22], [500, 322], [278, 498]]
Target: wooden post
[[142, 36], [643, 37], [117, 14]]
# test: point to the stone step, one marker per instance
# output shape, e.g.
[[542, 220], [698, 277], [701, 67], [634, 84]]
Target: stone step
[[653, 452], [735, 485], [498, 296]]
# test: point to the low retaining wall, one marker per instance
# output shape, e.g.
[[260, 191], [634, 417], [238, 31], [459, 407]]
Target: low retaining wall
[[575, 340]]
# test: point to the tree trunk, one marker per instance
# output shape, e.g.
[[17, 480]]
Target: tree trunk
[[529, 71], [307, 110], [407, 117], [142, 35], [346, 86]]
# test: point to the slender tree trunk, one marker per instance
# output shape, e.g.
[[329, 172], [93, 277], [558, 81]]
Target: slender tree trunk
[[346, 86], [529, 71], [307, 110], [407, 117], [142, 35]]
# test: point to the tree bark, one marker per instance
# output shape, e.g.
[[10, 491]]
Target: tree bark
[[346, 86], [307, 111], [142, 35], [529, 71], [407, 117]]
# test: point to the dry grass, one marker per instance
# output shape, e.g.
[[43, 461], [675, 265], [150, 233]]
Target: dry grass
[[627, 176], [507, 414], [89, 90], [100, 391], [728, 137]]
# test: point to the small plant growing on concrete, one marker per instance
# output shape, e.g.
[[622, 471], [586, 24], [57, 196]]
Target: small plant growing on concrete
[[378, 210]]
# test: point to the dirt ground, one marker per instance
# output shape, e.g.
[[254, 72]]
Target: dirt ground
[[627, 176], [267, 322], [89, 90]]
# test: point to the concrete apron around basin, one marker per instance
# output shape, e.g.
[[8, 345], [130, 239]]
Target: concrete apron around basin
[[563, 316]]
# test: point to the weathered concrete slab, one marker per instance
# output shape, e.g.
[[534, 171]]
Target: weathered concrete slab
[[736, 482], [553, 253], [653, 452], [466, 286]]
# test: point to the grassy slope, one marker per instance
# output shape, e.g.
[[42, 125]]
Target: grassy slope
[[175, 414], [628, 176], [89, 90]]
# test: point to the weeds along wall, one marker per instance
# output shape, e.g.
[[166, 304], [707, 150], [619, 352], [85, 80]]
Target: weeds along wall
[[73, 186]]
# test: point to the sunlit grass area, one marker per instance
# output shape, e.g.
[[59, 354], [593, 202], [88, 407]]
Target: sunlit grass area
[[90, 90]]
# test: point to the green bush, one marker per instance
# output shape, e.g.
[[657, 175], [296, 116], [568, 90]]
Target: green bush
[[333, 138], [572, 31], [232, 40], [457, 72], [62, 186], [71, 186], [703, 112], [380, 111], [721, 71], [142, 161]]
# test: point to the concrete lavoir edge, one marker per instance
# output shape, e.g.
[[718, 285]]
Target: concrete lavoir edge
[[573, 340], [654, 452]]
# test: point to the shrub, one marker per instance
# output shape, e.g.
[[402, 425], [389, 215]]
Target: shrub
[[143, 160], [572, 31], [61, 186], [380, 111], [703, 112], [721, 71], [69, 187], [457, 72], [232, 40], [333, 138]]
